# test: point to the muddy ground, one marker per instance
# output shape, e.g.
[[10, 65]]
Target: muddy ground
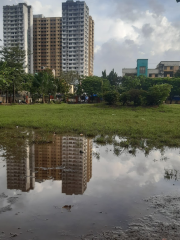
[[162, 224]]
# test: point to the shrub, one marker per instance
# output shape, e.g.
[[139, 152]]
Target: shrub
[[158, 94], [111, 97], [137, 96], [124, 98]]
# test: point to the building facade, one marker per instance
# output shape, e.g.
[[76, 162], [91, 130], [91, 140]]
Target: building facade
[[47, 43], [142, 67], [75, 37], [163, 69], [91, 46], [18, 30]]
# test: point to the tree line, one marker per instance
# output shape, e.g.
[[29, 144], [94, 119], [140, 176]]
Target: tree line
[[109, 87]]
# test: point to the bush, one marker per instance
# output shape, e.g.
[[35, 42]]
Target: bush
[[158, 94], [111, 97], [124, 98], [57, 102], [137, 96]]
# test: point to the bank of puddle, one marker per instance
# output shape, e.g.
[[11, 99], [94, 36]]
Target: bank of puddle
[[72, 188]]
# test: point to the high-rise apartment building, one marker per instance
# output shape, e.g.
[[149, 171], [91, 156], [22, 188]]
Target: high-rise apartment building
[[47, 43], [18, 30], [75, 37], [91, 46]]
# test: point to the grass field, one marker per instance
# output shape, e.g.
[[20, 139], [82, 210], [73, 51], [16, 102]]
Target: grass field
[[161, 125]]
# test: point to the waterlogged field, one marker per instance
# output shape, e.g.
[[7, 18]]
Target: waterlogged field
[[159, 125], [73, 187]]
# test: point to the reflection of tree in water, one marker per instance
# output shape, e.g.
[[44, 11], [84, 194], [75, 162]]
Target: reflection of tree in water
[[14, 144], [130, 145], [172, 174]]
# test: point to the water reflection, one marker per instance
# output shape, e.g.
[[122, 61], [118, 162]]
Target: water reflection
[[55, 167], [66, 158], [172, 174], [21, 172], [77, 160]]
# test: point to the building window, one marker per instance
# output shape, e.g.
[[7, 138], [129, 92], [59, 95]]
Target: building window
[[150, 75], [156, 75], [171, 68], [142, 70], [165, 68]]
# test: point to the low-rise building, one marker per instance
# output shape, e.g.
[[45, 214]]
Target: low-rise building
[[163, 69]]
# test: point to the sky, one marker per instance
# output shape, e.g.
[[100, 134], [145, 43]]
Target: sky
[[125, 30]]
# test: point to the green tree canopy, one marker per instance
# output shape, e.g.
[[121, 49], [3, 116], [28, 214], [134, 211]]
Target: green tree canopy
[[94, 85], [113, 78], [71, 77], [44, 84], [14, 57]]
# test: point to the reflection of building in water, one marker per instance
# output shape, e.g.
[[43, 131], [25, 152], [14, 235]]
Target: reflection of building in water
[[47, 158], [72, 154], [77, 160], [20, 169], [89, 159]]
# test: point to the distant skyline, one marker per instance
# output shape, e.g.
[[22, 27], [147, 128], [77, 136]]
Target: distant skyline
[[125, 30]]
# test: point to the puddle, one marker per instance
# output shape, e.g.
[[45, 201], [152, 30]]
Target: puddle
[[72, 188]]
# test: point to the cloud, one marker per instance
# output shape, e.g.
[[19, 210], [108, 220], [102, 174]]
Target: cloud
[[152, 37], [124, 30], [156, 7], [147, 30]]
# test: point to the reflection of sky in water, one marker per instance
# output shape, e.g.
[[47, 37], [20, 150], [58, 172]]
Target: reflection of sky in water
[[113, 196]]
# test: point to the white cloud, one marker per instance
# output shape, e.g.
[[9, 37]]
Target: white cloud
[[97, 48], [124, 30]]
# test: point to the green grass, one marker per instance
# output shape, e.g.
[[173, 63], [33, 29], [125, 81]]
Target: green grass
[[160, 126]]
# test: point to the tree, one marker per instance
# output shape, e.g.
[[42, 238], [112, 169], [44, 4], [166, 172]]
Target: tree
[[5, 81], [62, 86], [15, 59], [70, 77], [44, 84], [94, 85], [129, 83], [104, 75], [113, 78], [177, 74], [111, 97]]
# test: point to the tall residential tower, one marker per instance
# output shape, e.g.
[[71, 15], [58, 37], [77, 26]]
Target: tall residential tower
[[47, 43], [91, 46], [75, 37], [18, 30]]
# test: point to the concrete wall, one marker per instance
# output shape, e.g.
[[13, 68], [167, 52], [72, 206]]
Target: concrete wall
[[129, 71]]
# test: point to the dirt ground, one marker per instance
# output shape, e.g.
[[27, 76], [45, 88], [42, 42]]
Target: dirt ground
[[166, 208]]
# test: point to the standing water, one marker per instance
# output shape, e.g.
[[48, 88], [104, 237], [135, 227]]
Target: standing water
[[72, 188]]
